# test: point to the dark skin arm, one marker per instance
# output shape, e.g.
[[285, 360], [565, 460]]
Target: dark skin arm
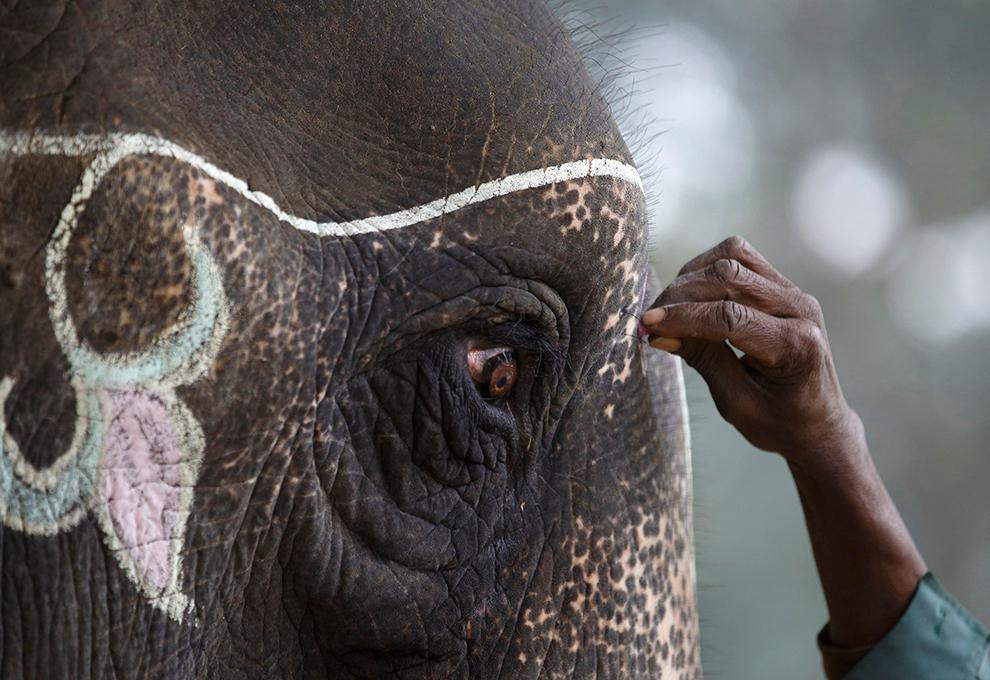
[[783, 395]]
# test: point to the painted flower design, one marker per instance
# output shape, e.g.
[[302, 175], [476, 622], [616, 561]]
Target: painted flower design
[[135, 454]]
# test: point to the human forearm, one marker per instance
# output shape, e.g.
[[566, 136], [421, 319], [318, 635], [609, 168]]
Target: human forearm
[[867, 562]]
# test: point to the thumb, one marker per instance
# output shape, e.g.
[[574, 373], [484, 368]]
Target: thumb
[[720, 369]]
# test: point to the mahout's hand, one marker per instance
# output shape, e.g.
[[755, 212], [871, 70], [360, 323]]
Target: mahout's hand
[[782, 393]]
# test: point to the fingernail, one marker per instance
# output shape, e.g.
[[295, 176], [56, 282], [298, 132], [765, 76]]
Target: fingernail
[[666, 344], [654, 316]]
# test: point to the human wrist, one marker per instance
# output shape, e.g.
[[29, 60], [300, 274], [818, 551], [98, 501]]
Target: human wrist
[[837, 446]]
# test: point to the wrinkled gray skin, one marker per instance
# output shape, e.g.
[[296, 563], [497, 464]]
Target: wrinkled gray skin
[[360, 509]]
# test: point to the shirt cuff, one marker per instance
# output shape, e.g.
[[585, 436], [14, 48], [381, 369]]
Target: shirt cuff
[[935, 638]]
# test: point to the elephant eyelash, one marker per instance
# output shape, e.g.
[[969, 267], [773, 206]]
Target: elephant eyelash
[[536, 348]]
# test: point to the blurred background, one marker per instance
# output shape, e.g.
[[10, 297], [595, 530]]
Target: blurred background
[[849, 141]]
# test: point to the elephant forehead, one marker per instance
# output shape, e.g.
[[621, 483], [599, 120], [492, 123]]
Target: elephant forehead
[[577, 226], [340, 131], [342, 111]]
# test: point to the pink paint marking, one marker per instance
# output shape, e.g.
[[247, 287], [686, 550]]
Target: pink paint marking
[[141, 480]]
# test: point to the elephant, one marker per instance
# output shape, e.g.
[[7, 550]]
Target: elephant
[[320, 352]]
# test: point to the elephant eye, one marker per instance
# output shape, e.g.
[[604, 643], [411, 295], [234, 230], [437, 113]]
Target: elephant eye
[[494, 370]]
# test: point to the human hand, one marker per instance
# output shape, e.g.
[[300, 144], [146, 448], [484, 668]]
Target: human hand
[[783, 393]]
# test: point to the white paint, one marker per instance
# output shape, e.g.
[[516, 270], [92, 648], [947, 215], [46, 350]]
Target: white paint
[[46, 479], [47, 502], [111, 148], [36, 503], [176, 357]]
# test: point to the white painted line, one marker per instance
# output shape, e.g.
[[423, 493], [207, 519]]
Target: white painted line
[[53, 500], [111, 148]]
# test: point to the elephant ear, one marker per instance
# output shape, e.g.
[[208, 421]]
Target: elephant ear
[[152, 450]]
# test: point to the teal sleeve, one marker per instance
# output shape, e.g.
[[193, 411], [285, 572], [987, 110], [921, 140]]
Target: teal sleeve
[[936, 638]]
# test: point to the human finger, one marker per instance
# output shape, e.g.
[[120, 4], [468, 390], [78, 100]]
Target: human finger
[[728, 279], [769, 340], [737, 248]]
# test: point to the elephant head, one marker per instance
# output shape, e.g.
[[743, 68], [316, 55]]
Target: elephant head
[[319, 351]]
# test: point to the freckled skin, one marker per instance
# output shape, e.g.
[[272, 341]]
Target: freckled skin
[[361, 511]]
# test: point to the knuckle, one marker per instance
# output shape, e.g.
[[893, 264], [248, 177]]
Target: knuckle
[[809, 341], [812, 308], [812, 334], [731, 316], [734, 244], [726, 271]]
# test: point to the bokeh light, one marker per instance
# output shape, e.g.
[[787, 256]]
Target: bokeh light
[[847, 208], [938, 288]]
